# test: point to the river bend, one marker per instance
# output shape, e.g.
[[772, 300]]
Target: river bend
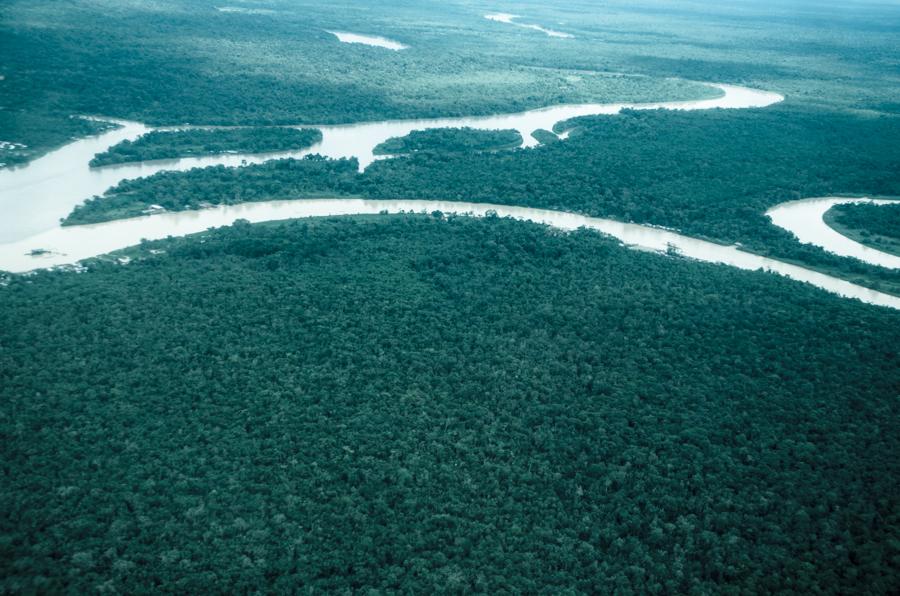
[[36, 196]]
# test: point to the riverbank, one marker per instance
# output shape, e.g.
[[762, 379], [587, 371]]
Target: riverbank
[[68, 245], [874, 230]]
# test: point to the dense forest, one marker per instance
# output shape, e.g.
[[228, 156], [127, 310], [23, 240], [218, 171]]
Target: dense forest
[[187, 143], [450, 140], [545, 136], [709, 174], [190, 61], [420, 404], [311, 176], [875, 225], [25, 136], [440, 404]]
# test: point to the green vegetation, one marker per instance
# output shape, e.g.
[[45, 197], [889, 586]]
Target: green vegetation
[[426, 404], [312, 176], [709, 174], [187, 143], [877, 226], [185, 61], [26, 136], [450, 140], [545, 137], [419, 404]]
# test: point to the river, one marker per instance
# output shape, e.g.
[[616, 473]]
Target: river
[[73, 243], [369, 40], [36, 196], [804, 218]]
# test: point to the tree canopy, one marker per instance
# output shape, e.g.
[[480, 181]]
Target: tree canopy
[[875, 225], [195, 142], [420, 404], [450, 140]]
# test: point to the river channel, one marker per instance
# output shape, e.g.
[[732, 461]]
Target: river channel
[[36, 196]]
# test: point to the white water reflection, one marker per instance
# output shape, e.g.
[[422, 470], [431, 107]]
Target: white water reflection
[[244, 10], [369, 40], [509, 19], [35, 197], [804, 218], [359, 140], [71, 244]]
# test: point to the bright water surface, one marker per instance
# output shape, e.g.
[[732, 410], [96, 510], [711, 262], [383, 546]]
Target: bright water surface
[[804, 219], [35, 196], [368, 40], [71, 244], [502, 17]]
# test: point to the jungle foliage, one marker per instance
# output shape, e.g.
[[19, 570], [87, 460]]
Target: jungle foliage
[[419, 404], [545, 137], [190, 61], [311, 176], [450, 140], [25, 136], [709, 174], [874, 225], [187, 143], [425, 404]]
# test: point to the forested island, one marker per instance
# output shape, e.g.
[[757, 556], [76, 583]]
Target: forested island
[[195, 142], [25, 136], [877, 226], [311, 176], [545, 137], [450, 140], [419, 403], [280, 67], [425, 403], [708, 174], [124, 63]]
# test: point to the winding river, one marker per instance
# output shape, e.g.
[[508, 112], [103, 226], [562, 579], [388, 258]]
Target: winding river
[[71, 244], [36, 196], [510, 19], [805, 219]]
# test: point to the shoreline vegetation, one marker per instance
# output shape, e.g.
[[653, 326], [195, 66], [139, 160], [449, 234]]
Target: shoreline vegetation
[[409, 381], [197, 142], [139, 67], [877, 226], [450, 140], [299, 75], [672, 169], [32, 134], [427, 403], [25, 137], [850, 270], [310, 176]]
